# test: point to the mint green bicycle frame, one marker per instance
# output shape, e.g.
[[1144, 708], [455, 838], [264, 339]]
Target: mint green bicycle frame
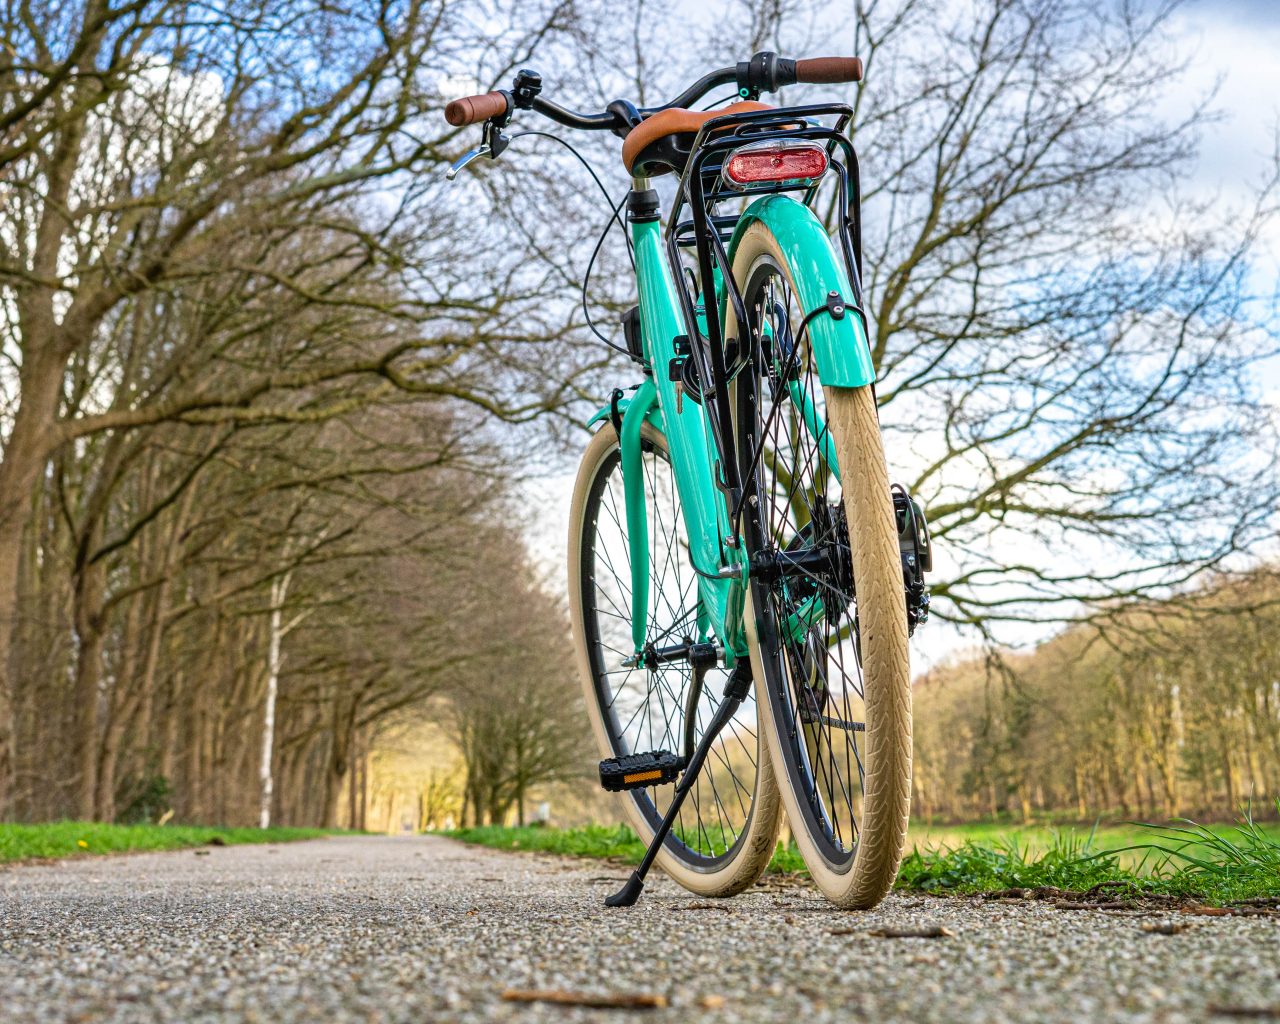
[[841, 355]]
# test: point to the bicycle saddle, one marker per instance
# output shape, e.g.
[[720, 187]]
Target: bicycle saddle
[[661, 142]]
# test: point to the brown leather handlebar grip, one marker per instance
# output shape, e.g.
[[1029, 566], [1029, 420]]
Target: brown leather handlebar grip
[[474, 109], [820, 70]]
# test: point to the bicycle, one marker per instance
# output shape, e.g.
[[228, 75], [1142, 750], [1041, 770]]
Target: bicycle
[[743, 577]]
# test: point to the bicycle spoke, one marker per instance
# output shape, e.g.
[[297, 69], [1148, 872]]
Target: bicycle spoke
[[646, 706]]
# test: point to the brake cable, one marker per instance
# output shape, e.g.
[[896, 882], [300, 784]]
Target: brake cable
[[614, 218], [586, 279], [835, 306], [594, 177]]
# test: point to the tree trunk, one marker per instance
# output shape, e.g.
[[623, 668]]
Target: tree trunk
[[24, 458], [353, 784], [279, 589], [1229, 774], [104, 798], [334, 777], [122, 705], [339, 764], [1169, 783], [362, 762], [89, 594]]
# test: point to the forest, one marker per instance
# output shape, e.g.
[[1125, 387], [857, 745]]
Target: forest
[[253, 507], [272, 392], [1172, 711]]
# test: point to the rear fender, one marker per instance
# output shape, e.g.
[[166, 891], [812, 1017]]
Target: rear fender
[[840, 347]]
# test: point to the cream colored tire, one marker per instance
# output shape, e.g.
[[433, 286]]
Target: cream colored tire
[[866, 872], [739, 866]]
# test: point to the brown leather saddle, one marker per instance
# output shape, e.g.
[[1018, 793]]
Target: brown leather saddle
[[661, 143]]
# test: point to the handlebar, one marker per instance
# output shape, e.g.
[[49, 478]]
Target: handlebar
[[474, 109], [824, 70], [764, 72]]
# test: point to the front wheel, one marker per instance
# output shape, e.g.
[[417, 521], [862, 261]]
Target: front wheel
[[728, 827], [828, 636]]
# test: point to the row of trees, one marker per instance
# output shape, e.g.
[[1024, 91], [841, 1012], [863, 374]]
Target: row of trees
[[252, 509], [1173, 710], [256, 606], [252, 503]]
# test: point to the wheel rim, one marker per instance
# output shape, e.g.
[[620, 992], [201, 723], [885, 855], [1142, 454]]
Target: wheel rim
[[808, 647], [644, 708]]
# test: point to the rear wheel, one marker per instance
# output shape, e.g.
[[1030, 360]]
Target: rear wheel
[[829, 634], [728, 826]]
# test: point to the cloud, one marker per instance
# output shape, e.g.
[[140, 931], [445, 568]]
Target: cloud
[[1241, 56], [1249, 13]]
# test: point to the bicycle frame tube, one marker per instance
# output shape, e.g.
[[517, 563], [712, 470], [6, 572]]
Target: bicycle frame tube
[[638, 409], [843, 359], [692, 458]]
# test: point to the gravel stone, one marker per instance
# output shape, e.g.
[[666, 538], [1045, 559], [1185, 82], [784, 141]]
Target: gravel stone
[[423, 929]]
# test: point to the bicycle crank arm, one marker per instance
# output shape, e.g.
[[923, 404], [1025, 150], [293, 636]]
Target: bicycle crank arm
[[735, 692]]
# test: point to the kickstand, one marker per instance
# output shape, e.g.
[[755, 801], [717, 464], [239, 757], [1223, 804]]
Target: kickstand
[[735, 692]]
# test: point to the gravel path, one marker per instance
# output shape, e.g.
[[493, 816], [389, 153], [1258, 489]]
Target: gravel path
[[423, 929]]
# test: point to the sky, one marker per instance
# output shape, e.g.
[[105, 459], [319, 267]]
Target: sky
[[1234, 45]]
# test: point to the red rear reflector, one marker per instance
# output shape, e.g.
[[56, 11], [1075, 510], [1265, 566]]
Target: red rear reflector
[[800, 163]]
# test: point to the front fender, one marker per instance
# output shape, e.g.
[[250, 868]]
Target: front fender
[[840, 347], [654, 415], [634, 411]]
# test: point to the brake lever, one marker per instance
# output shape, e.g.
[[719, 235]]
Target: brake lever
[[462, 161], [493, 145]]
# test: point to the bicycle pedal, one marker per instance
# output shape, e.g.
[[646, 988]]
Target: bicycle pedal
[[655, 768]]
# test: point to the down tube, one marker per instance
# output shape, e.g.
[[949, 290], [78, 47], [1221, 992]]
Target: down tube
[[704, 513]]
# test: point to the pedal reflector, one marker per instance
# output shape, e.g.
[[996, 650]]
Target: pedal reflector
[[636, 770]]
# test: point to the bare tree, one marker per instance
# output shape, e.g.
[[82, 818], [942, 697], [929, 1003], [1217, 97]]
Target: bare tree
[[1064, 336], [516, 715], [1067, 333], [195, 233], [1177, 712]]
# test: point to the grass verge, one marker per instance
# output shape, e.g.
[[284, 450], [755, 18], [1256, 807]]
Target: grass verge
[[1214, 865], [73, 838], [603, 842]]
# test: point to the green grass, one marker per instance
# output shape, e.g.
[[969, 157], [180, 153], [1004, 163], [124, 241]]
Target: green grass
[[1109, 836], [603, 842], [72, 838], [1215, 864], [972, 867]]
